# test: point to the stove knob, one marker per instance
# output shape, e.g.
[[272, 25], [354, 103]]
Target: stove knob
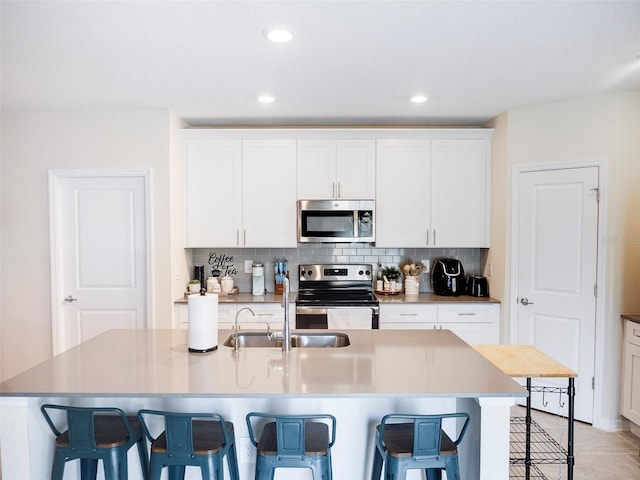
[[367, 273], [309, 273], [303, 273], [360, 273]]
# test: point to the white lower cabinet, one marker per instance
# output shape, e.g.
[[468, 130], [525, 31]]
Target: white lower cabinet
[[473, 322], [631, 372], [265, 313], [409, 316]]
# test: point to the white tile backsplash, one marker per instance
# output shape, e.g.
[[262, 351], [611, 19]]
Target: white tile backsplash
[[329, 253]]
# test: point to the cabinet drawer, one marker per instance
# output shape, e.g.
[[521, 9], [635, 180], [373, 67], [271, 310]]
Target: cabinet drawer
[[632, 333], [408, 314], [469, 313]]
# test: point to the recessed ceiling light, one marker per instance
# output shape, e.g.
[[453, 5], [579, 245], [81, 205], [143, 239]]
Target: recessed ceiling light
[[278, 36], [418, 99], [266, 99]]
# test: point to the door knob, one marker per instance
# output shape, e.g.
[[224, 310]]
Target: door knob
[[70, 299], [525, 301]]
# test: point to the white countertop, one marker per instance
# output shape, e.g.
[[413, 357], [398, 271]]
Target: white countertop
[[126, 363]]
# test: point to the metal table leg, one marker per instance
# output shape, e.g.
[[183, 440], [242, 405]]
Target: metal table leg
[[527, 421], [571, 393]]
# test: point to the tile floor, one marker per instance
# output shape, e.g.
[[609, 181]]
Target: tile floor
[[598, 455]]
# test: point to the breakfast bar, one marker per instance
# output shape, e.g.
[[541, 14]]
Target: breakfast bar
[[379, 372]]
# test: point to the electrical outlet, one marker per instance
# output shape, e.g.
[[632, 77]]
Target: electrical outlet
[[427, 265], [246, 450], [247, 266]]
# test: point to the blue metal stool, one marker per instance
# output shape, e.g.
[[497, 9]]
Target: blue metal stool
[[293, 441], [418, 443], [195, 439], [95, 434]]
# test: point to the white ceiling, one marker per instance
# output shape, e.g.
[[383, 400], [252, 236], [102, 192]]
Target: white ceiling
[[350, 62]]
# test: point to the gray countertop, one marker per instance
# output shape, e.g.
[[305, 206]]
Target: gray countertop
[[271, 297], [133, 363]]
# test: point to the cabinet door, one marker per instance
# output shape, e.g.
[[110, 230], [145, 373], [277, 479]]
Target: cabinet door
[[316, 169], [356, 169], [631, 373], [412, 317], [460, 193], [473, 322], [212, 176], [403, 193], [269, 193]]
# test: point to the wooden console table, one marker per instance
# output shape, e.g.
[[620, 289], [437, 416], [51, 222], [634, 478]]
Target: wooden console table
[[528, 362]]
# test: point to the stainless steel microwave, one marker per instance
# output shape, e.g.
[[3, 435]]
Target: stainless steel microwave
[[333, 221]]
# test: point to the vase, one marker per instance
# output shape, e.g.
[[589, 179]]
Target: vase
[[411, 285]]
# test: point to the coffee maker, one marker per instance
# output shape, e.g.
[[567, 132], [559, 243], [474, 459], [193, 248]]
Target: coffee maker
[[257, 279]]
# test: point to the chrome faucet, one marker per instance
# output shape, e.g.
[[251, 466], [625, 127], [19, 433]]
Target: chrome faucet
[[235, 340]]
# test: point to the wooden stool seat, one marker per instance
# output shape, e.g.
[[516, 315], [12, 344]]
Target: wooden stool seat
[[316, 439], [398, 438]]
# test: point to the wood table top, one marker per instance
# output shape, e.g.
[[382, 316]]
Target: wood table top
[[523, 361]]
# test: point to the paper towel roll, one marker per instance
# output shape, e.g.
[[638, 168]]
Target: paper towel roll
[[203, 323]]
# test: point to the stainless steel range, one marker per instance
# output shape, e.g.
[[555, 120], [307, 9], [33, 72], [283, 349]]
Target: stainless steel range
[[336, 296]]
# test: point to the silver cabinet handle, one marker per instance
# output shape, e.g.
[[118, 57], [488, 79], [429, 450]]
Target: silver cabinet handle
[[525, 301], [70, 299], [238, 236], [427, 236], [339, 192], [333, 189], [244, 238], [434, 237]]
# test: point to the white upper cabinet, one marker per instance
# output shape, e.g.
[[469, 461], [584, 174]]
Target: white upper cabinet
[[336, 168], [403, 193], [239, 193], [212, 191], [460, 193], [269, 193], [432, 192]]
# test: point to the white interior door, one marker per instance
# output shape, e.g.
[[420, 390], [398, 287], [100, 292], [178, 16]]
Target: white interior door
[[99, 254], [557, 258]]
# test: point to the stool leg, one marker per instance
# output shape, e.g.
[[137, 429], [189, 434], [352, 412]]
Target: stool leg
[[88, 468], [155, 467], [264, 470], [112, 466], [378, 460], [144, 457], [452, 468], [176, 472], [232, 461], [57, 470], [435, 474]]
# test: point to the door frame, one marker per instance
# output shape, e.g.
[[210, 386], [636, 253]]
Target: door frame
[[601, 267], [55, 178]]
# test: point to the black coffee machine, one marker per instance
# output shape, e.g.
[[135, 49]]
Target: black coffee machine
[[447, 277]]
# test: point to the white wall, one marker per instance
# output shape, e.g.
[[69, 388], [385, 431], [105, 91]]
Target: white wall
[[596, 127], [34, 142]]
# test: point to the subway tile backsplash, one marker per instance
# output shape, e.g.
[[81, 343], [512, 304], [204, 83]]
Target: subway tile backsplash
[[231, 261]]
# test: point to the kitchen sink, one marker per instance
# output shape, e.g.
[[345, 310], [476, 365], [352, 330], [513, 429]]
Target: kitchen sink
[[298, 340]]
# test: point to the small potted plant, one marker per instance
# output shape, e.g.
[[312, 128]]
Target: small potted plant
[[390, 276], [194, 286]]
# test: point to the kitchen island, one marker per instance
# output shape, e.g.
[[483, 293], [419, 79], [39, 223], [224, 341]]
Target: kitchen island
[[380, 372]]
